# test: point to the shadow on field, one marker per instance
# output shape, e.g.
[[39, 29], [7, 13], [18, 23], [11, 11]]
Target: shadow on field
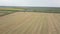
[[3, 13]]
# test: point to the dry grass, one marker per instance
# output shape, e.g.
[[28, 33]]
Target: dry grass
[[30, 23]]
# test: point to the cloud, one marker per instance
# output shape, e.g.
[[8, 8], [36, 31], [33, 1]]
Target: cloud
[[54, 3], [48, 3]]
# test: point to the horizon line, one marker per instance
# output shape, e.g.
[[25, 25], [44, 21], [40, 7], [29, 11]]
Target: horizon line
[[30, 6]]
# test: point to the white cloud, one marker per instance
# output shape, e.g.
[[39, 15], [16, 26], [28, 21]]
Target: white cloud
[[52, 3]]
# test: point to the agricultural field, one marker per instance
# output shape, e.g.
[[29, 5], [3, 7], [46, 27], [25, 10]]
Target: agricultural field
[[10, 9], [30, 23], [6, 11]]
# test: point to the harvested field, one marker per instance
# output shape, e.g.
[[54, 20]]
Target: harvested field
[[30, 23]]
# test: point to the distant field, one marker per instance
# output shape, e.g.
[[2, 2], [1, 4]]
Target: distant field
[[11, 9], [6, 11]]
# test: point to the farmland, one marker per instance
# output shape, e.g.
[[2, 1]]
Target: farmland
[[29, 20], [11, 9], [6, 11], [30, 23]]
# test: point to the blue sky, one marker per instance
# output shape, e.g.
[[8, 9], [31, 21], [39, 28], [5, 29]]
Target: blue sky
[[43, 3]]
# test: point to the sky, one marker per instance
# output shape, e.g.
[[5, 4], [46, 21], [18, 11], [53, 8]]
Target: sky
[[37, 3]]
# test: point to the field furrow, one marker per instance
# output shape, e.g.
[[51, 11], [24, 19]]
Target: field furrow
[[30, 23]]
